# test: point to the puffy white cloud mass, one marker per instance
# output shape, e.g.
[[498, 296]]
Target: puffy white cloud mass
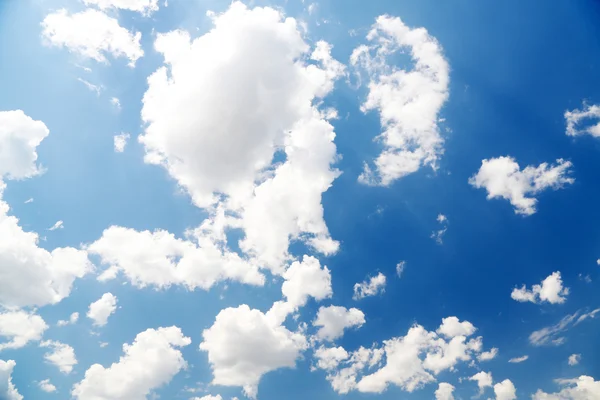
[[20, 328], [505, 390], [29, 275], [91, 34], [8, 391], [145, 7], [73, 318], [409, 362], [306, 279], [452, 327], [502, 177], [370, 287], [551, 290], [333, 320], [120, 141], [408, 101], [576, 118], [553, 335], [574, 359], [150, 362], [62, 355], [582, 388], [46, 386], [243, 344], [445, 391], [216, 127], [101, 309], [483, 379]]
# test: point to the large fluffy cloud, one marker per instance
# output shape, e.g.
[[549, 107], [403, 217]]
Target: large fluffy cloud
[[29, 275], [101, 309], [505, 390], [217, 126], [20, 328], [502, 177], [551, 290], [8, 391], [148, 363], [445, 391], [91, 34], [576, 118], [408, 101], [62, 355], [582, 388]]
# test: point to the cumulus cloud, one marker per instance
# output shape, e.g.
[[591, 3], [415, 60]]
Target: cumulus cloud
[[400, 267], [243, 344], [91, 34], [574, 359], [57, 225], [101, 309], [445, 391], [208, 397], [582, 388], [584, 122], [551, 290], [29, 275], [438, 235], [452, 327], [505, 390], [150, 362], [72, 320], [517, 360], [120, 141], [370, 287], [46, 386], [62, 355], [409, 362], [229, 161], [333, 320], [8, 390], [488, 355], [20, 328], [483, 379], [145, 7], [502, 177], [408, 101], [553, 335], [328, 358], [306, 279]]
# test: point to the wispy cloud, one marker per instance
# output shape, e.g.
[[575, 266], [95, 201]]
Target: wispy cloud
[[57, 225], [553, 335]]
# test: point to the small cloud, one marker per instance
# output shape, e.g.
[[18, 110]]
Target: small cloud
[[400, 268], [46, 386], [517, 360], [57, 225], [312, 7], [91, 86], [116, 102], [574, 359], [29, 200], [439, 234], [120, 141], [103, 344], [371, 287], [585, 278]]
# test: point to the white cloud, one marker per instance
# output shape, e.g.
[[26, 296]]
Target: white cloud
[[452, 327], [91, 34], [145, 7], [260, 68], [483, 379], [488, 355], [408, 101], [411, 361], [444, 391], [244, 344], [574, 359], [73, 318], [517, 360], [150, 362], [208, 397], [159, 259], [371, 287], [20, 328], [582, 388], [57, 225], [329, 358], [400, 267], [62, 355], [102, 308], [551, 290], [576, 117], [552, 335], [47, 386], [8, 391], [29, 275], [505, 390], [120, 141], [29, 200], [93, 88], [503, 178], [438, 235], [333, 320], [115, 102]]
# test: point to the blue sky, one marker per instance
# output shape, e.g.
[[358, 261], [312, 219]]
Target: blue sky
[[242, 220]]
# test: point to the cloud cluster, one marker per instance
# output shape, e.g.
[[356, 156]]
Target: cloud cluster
[[576, 118], [551, 291], [371, 287], [582, 388]]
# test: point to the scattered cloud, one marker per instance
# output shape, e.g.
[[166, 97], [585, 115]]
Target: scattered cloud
[[46, 386], [62, 355], [120, 141], [333, 320], [116, 102], [438, 235], [91, 34], [445, 391], [400, 267], [505, 390], [574, 359], [72, 320], [582, 388], [29, 200], [408, 101], [503, 178], [551, 291], [101, 309], [8, 390], [20, 328], [94, 88], [483, 379], [517, 360], [149, 363], [371, 287], [553, 335], [145, 7], [576, 118], [57, 225], [488, 355]]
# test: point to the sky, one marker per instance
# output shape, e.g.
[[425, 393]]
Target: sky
[[267, 199]]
